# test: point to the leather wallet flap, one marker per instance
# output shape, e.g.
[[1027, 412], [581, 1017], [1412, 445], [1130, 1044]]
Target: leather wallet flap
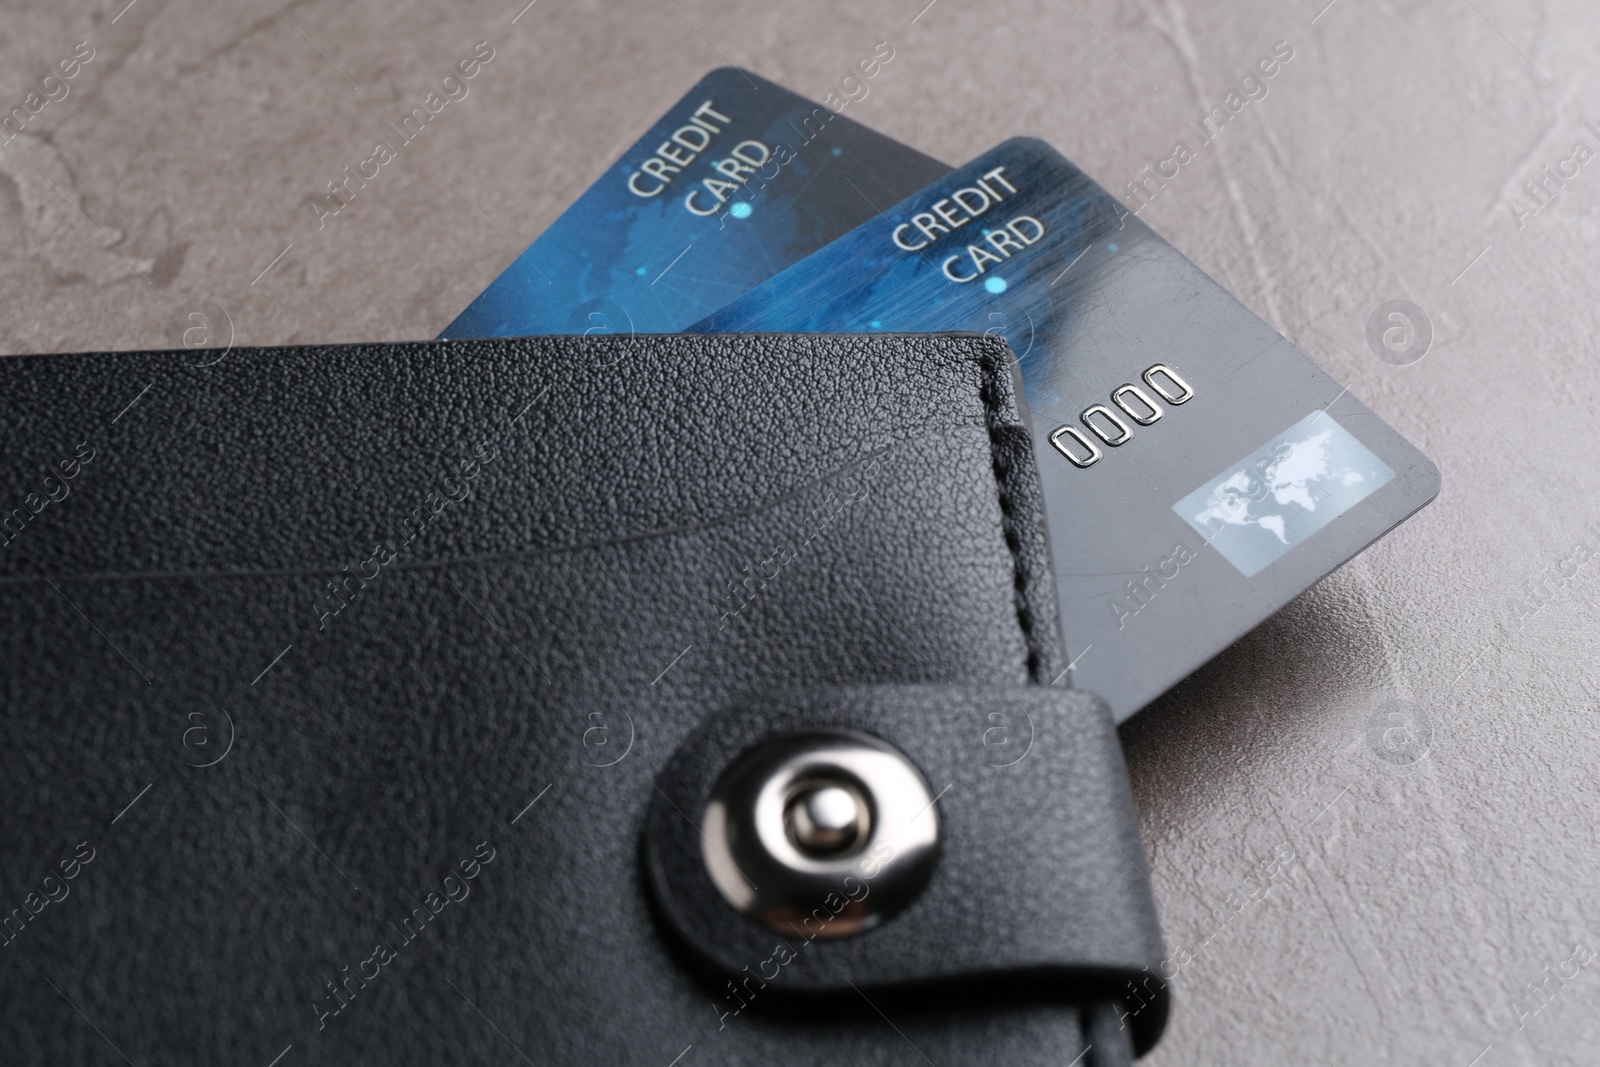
[[354, 668], [1039, 880]]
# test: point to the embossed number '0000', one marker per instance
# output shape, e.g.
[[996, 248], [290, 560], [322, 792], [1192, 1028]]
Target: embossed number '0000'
[[1109, 427]]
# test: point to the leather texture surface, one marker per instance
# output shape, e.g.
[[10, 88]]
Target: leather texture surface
[[1039, 883], [352, 669], [1423, 898]]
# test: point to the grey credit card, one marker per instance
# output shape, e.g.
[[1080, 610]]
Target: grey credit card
[[1199, 471]]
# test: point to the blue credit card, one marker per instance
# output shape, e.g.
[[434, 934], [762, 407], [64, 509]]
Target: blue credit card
[[740, 179], [1199, 471]]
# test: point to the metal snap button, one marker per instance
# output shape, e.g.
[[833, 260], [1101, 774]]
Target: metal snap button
[[825, 817], [822, 834]]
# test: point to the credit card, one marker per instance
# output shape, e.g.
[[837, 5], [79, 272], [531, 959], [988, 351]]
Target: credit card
[[1199, 471], [739, 180]]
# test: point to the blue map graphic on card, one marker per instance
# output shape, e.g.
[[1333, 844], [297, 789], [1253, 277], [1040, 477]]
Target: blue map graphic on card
[[1283, 492], [739, 180]]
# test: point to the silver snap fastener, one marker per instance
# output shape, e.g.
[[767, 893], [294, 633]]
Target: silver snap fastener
[[822, 834], [825, 818]]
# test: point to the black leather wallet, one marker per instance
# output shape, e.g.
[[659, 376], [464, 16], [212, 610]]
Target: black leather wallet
[[668, 700]]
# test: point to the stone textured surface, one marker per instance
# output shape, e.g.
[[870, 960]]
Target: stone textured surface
[[1422, 892]]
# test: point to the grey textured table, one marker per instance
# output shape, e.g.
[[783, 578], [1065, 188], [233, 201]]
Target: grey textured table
[[1372, 821]]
